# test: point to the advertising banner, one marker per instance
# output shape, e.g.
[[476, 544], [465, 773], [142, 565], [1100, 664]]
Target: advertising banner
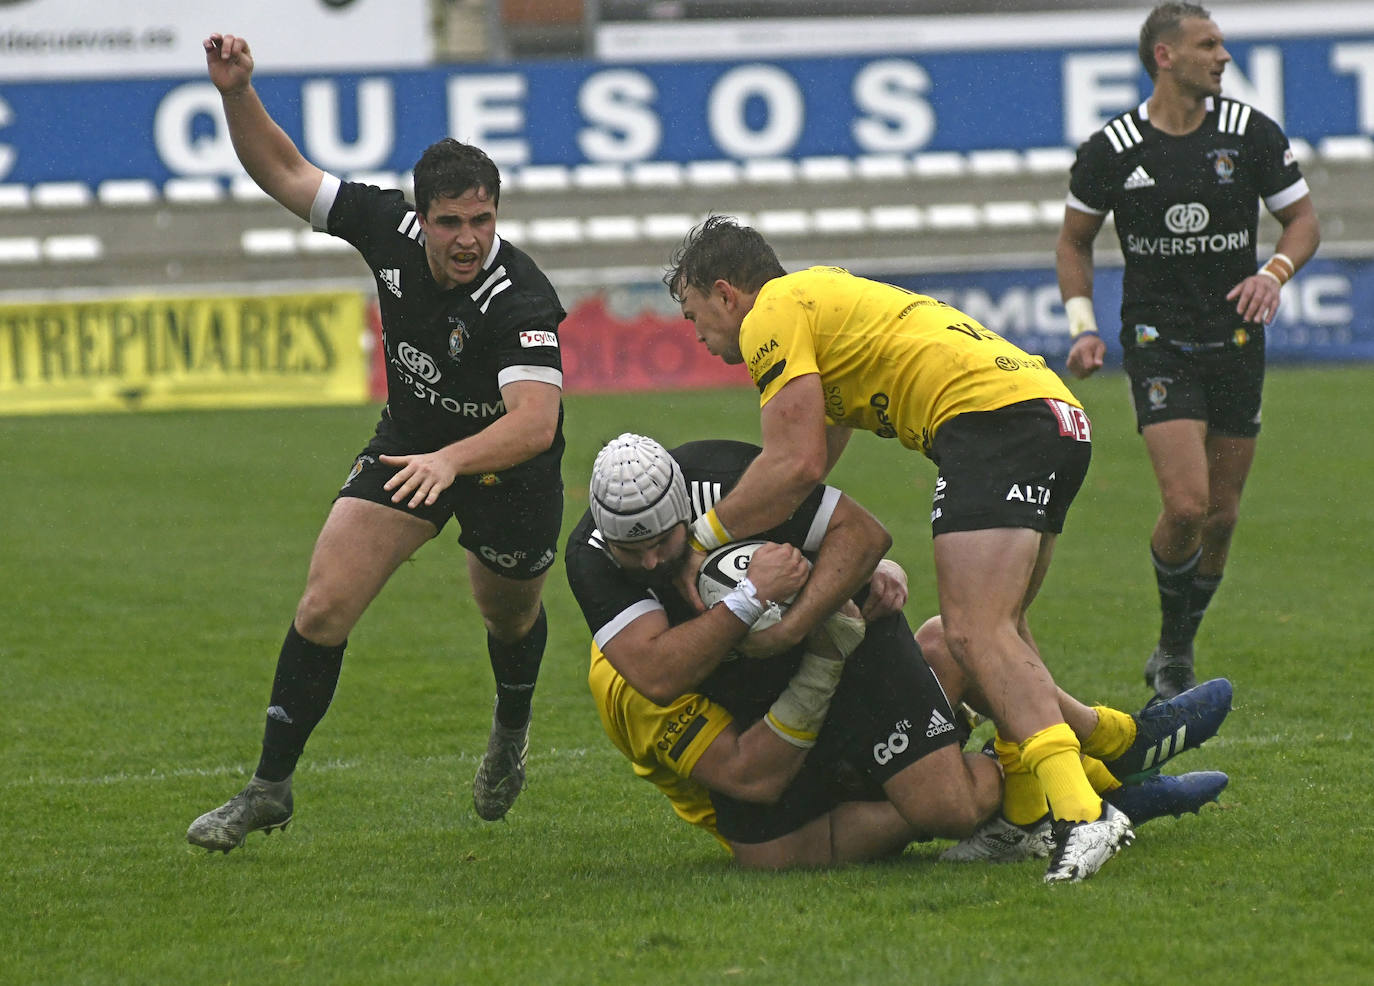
[[160, 353], [1321, 318], [610, 345], [78, 39], [581, 112]]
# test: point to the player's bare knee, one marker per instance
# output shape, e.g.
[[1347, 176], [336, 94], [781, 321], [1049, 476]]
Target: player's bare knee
[[321, 619]]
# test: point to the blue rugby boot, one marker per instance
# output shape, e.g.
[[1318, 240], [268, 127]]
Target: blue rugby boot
[[1167, 794], [1165, 729]]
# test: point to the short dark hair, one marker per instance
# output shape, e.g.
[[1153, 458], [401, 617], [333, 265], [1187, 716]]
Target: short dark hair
[[722, 249], [448, 168], [1164, 21]]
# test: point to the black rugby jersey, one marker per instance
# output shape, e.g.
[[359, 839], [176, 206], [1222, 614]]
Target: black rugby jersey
[[1186, 212], [611, 600], [447, 352]]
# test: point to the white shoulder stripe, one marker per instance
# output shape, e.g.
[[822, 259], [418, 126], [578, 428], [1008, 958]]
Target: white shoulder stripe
[[494, 292], [704, 496], [1122, 133], [1233, 117], [410, 226]]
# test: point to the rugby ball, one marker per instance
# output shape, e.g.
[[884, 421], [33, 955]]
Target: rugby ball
[[723, 570]]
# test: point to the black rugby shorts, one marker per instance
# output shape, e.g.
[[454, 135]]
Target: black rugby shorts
[[510, 523], [1221, 386], [888, 712], [1018, 466]]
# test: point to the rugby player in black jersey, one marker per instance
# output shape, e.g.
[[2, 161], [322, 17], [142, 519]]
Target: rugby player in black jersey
[[472, 429], [1183, 174], [802, 758]]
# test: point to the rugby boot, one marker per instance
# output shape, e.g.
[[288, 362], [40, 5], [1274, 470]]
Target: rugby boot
[[501, 772], [1167, 794], [1169, 673], [257, 807], [1000, 841], [1167, 728], [1081, 848]]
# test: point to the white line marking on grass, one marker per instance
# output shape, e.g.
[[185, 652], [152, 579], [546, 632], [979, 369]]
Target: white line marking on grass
[[243, 769]]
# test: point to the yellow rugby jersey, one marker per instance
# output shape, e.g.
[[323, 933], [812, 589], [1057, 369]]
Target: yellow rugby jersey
[[662, 743], [891, 362]]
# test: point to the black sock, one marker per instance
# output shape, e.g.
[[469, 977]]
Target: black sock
[[1200, 595], [516, 667], [307, 674], [1175, 586]]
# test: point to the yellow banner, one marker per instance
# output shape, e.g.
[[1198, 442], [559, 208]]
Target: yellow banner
[[156, 353]]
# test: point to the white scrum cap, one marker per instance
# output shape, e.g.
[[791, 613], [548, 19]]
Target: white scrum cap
[[637, 489]]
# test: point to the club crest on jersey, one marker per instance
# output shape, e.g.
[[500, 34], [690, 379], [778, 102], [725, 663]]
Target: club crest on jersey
[[1224, 164], [1156, 391], [457, 338]]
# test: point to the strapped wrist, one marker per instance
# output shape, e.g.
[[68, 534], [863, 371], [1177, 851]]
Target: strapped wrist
[[707, 532], [1280, 267], [1081, 318]]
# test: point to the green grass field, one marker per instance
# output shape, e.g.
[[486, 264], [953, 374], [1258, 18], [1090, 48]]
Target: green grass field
[[151, 565]]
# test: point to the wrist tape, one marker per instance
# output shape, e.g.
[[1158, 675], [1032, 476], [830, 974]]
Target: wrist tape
[[799, 712], [708, 532], [1081, 317], [743, 600], [1280, 267]]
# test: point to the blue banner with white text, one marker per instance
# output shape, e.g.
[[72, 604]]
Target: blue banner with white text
[[577, 112]]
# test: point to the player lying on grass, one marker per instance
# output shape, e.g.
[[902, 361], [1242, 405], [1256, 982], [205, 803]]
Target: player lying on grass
[[737, 744]]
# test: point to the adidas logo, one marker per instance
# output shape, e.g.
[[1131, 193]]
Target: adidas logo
[[1138, 178], [278, 713], [638, 531], [391, 277], [938, 724], [1166, 748]]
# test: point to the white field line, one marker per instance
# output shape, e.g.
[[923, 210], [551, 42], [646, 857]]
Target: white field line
[[243, 769]]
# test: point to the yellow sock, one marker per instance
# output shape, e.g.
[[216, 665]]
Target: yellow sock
[[1023, 796], [1099, 776], [1113, 736], [1053, 756]]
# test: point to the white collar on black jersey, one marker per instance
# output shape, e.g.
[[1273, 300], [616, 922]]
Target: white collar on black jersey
[[1143, 110], [495, 249]]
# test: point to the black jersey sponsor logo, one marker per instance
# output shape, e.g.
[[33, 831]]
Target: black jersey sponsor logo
[[419, 363], [1187, 217], [1139, 178], [391, 278], [1188, 246], [533, 338]]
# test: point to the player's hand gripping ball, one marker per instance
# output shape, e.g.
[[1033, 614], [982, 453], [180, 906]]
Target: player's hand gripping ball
[[724, 568]]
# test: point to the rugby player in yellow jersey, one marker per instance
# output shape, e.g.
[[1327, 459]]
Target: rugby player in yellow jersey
[[841, 748], [831, 352]]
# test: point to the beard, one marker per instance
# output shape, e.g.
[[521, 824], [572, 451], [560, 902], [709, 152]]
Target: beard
[[663, 575]]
